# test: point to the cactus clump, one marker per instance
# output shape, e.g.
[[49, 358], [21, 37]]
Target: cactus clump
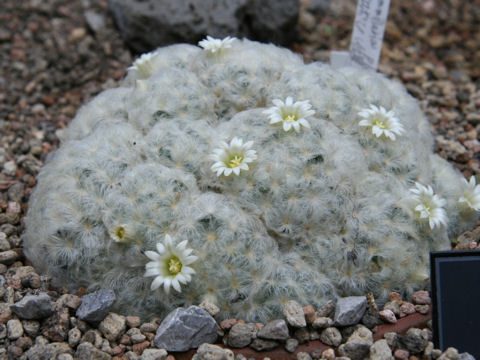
[[238, 174]]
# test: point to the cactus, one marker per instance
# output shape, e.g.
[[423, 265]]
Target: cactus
[[238, 174]]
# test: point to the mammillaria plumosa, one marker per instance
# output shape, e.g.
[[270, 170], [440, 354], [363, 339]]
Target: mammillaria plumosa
[[236, 173]]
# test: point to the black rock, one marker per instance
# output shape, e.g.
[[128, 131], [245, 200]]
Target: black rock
[[33, 307], [147, 24], [95, 306]]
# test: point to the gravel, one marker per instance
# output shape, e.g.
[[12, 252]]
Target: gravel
[[55, 55]]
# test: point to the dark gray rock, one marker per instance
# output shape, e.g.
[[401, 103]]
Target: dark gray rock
[[185, 329], [87, 351], [291, 345], [371, 318], [350, 310], [241, 335], [274, 330], [95, 306], [147, 24], [263, 345], [326, 310], [33, 307], [415, 341]]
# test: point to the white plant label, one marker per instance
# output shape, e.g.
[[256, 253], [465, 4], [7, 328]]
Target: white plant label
[[368, 31]]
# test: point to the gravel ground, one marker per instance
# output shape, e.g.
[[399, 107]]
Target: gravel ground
[[56, 54]]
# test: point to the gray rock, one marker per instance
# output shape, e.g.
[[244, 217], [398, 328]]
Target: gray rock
[[274, 330], [147, 24], [87, 351], [209, 307], [465, 356], [371, 318], [33, 307], [350, 310], [95, 21], [380, 351], [74, 336], [148, 328], [294, 314], [331, 336], [241, 335], [302, 335], [65, 356], [392, 339], [415, 341], [8, 257], [212, 352], [31, 327], [3, 331], [326, 310], [358, 344], [130, 355], [95, 306], [322, 322], [291, 345], [69, 300], [112, 326], [154, 354], [14, 329], [48, 351], [263, 345], [185, 329], [16, 191], [303, 356], [4, 244], [393, 306]]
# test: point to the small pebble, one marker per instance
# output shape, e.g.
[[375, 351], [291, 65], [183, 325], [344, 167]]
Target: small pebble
[[388, 316], [14, 329], [291, 345], [401, 354], [421, 297]]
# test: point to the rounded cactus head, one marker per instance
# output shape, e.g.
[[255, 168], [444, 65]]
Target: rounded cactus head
[[236, 173]]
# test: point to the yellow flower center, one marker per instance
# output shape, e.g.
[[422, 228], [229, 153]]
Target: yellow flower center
[[427, 208], [290, 118], [174, 265], [235, 161], [380, 122], [120, 232]]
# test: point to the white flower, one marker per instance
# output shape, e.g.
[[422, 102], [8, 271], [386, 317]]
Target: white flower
[[144, 65], [213, 45], [169, 265], [233, 157], [381, 121], [290, 114], [121, 233], [471, 194], [428, 205]]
